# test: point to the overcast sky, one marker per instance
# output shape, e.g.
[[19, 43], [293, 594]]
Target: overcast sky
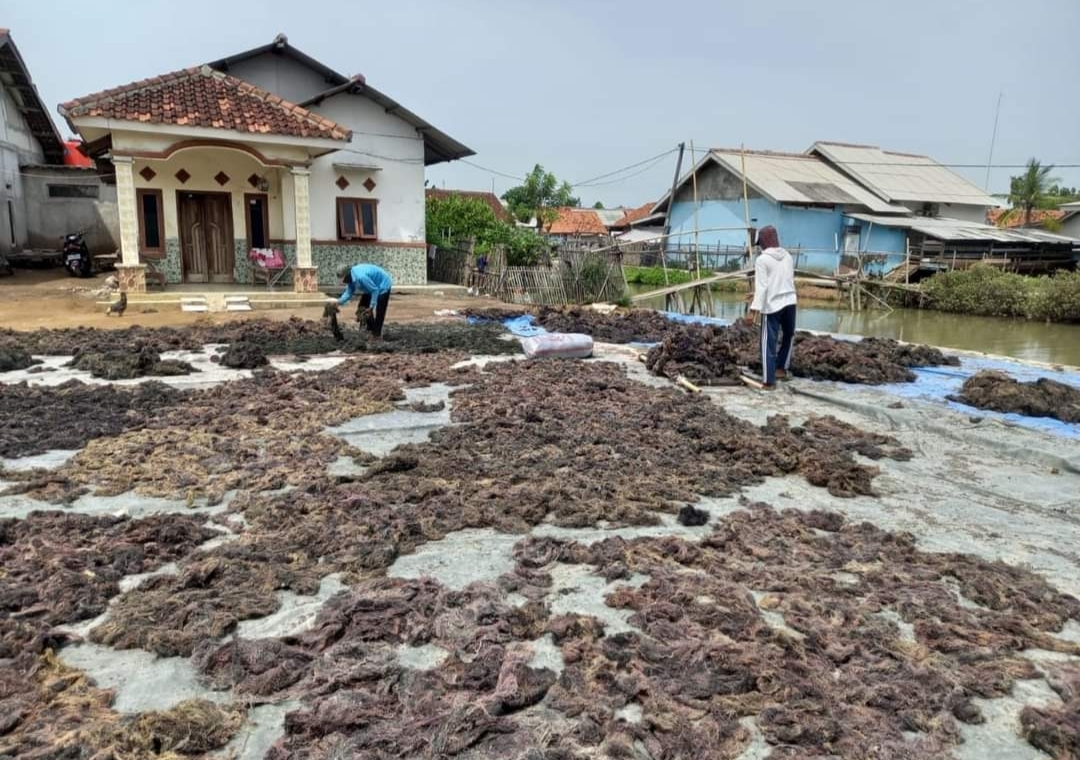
[[587, 87]]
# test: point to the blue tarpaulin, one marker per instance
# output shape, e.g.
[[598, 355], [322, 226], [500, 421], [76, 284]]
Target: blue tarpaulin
[[933, 383]]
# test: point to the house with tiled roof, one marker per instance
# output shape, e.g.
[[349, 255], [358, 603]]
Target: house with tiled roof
[[490, 199], [266, 150], [580, 226]]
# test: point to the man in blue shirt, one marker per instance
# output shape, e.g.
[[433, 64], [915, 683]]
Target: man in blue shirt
[[374, 285]]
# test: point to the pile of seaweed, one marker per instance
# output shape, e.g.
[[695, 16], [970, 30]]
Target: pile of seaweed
[[544, 442], [617, 326], [707, 353], [62, 569], [817, 636], [37, 419], [998, 392], [272, 337], [242, 355], [125, 364], [248, 433], [16, 358]]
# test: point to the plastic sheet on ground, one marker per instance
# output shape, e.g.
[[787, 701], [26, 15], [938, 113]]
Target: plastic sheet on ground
[[933, 383]]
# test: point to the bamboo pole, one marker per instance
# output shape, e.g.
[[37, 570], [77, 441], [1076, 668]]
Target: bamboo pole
[[697, 249], [746, 219]]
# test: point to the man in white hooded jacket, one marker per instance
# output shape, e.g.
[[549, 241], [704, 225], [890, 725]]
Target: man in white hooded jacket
[[774, 299]]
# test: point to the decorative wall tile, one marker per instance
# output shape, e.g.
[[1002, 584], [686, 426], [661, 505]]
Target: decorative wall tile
[[342, 183], [221, 178], [172, 265], [182, 176], [147, 173], [407, 266], [369, 183]]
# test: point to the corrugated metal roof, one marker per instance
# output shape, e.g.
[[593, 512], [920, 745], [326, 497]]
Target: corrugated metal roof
[[797, 178], [957, 229], [902, 177], [610, 216]]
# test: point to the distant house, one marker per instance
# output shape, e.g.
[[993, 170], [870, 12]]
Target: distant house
[[862, 206], [580, 226], [917, 183], [490, 199], [42, 196], [1069, 224], [267, 148], [1011, 218]]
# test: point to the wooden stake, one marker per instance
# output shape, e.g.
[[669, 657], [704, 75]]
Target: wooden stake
[[684, 383], [747, 380]]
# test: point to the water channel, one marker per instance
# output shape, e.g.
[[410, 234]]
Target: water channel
[[1032, 341]]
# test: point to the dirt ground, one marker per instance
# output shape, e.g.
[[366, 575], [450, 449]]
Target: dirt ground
[[33, 299]]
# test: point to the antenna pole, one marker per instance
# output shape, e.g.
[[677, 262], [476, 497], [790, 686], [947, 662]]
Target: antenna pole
[[993, 139]]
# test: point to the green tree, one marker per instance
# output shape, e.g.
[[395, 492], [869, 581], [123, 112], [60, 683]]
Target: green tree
[[599, 205], [455, 217], [1029, 190], [538, 197]]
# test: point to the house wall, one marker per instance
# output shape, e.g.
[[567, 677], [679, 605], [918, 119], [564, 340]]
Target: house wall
[[813, 235], [17, 147], [960, 211], [49, 218], [203, 164], [395, 152], [282, 76], [1071, 227]]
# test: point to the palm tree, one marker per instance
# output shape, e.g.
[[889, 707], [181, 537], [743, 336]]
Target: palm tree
[[1029, 190]]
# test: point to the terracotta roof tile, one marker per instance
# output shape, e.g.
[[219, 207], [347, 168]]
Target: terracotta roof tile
[[634, 215], [577, 221], [489, 198], [1014, 217], [202, 97]]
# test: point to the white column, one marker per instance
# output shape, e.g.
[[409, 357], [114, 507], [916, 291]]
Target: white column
[[302, 203], [128, 211]]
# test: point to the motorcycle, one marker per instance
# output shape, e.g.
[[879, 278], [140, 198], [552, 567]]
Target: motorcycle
[[77, 256]]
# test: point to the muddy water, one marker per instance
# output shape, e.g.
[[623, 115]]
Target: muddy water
[[1032, 341]]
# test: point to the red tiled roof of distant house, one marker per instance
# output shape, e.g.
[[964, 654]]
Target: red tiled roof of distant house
[[489, 198], [634, 215], [577, 221], [202, 97], [1014, 217]]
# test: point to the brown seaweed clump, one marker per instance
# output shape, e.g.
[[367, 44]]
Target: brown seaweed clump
[[250, 433], [831, 637], [998, 392], [293, 336], [242, 355], [16, 358], [704, 354], [53, 711], [37, 418], [127, 364]]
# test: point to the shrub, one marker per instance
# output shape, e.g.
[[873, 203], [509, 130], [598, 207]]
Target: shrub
[[654, 276], [1056, 298], [980, 290]]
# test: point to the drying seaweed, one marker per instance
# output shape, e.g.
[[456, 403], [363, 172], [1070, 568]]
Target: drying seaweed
[[16, 358], [703, 354], [249, 433], [67, 416], [54, 712], [788, 619], [274, 338], [998, 392], [242, 355], [618, 326], [127, 364], [706, 353], [63, 568]]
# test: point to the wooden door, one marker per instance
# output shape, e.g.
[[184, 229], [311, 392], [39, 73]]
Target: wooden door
[[192, 239], [217, 227], [206, 237]]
